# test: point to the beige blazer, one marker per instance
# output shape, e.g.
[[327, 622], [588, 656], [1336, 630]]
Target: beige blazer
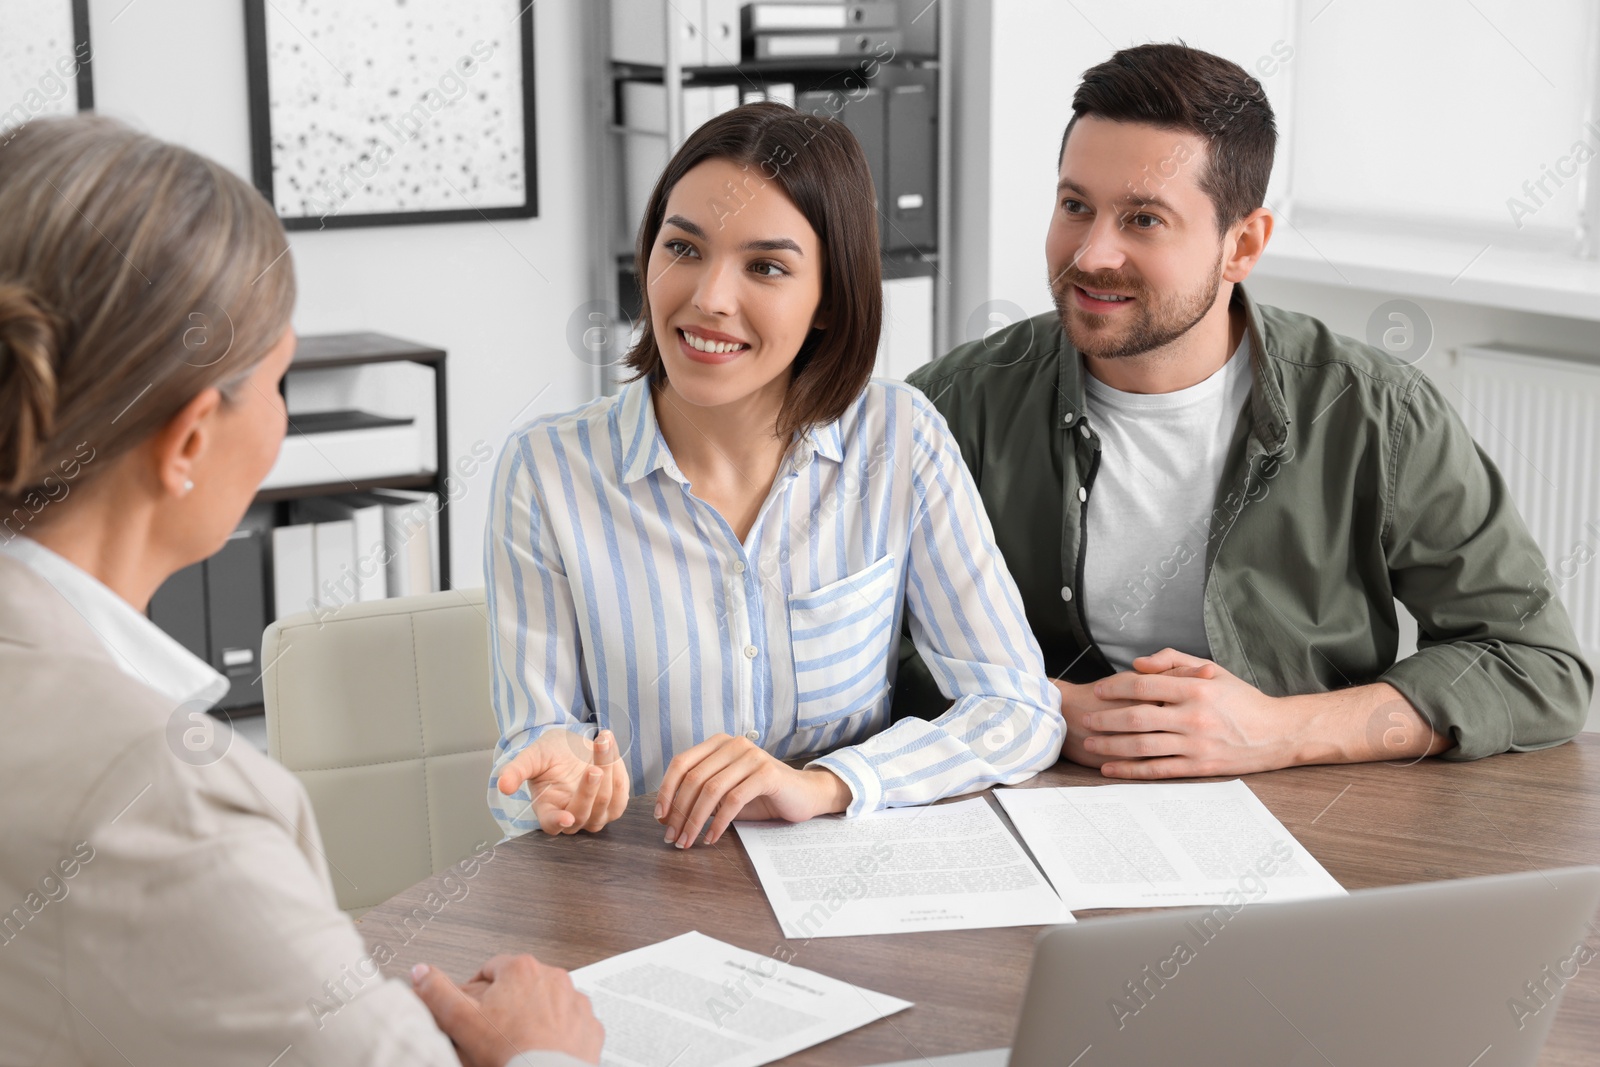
[[157, 912]]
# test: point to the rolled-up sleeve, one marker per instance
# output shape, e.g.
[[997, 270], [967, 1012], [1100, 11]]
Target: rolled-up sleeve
[[1498, 667], [533, 628], [967, 621]]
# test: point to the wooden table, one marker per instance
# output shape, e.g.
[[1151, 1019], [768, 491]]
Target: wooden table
[[574, 900]]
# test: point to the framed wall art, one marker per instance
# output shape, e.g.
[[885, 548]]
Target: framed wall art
[[383, 112]]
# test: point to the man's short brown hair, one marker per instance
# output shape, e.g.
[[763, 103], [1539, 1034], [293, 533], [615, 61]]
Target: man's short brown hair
[[1175, 87]]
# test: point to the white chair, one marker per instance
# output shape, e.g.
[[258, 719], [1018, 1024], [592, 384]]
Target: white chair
[[382, 711]]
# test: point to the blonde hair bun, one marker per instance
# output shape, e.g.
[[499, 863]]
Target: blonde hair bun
[[30, 340]]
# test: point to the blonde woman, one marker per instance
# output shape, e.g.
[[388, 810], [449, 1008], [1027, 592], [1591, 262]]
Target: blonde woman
[[162, 903]]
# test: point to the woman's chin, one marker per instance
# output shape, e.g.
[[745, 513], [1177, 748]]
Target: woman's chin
[[705, 394], [703, 384]]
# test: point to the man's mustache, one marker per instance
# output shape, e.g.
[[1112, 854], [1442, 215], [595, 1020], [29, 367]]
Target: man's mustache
[[1100, 282]]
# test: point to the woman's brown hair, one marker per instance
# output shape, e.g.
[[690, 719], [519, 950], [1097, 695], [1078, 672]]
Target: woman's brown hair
[[133, 275], [818, 163]]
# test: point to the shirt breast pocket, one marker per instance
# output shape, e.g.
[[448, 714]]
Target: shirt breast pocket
[[842, 635]]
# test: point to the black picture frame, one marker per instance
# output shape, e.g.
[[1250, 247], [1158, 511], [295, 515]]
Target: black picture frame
[[83, 47], [261, 139]]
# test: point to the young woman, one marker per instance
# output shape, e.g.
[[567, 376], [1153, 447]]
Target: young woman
[[698, 582]]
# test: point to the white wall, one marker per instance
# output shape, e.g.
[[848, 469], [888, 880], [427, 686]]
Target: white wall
[[1438, 112], [496, 296]]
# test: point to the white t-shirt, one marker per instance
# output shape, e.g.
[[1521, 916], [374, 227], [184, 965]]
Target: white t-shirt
[[1161, 457]]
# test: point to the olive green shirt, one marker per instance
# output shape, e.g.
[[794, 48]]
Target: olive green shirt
[[1351, 482]]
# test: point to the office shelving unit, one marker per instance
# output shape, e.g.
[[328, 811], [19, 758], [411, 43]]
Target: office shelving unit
[[238, 587], [613, 286], [328, 351]]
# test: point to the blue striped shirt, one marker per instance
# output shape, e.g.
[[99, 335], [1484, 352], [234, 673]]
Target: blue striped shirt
[[620, 600]]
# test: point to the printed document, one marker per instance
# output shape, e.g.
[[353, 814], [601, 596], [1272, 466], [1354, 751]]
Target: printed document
[[942, 867], [693, 1001], [1152, 844]]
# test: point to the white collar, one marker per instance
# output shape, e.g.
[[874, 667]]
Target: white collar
[[140, 647]]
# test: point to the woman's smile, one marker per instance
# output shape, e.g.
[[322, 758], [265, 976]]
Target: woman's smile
[[710, 346]]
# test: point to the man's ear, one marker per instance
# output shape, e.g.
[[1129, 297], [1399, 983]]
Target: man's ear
[[1250, 236], [176, 448]]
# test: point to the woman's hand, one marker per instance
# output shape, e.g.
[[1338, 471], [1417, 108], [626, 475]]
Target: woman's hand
[[733, 778], [576, 784], [513, 1004]]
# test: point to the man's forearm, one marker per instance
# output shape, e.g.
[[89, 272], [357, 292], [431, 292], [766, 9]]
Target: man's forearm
[[1362, 724]]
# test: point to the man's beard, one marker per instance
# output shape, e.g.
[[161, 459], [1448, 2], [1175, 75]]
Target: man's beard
[[1151, 323]]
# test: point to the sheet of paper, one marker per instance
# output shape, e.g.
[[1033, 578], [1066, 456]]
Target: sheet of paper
[[693, 1001], [1152, 844], [943, 867]]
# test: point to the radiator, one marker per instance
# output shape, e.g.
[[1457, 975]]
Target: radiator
[[1537, 415]]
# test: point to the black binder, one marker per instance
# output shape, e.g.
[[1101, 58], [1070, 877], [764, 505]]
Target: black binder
[[909, 195], [236, 601], [862, 110], [179, 608]]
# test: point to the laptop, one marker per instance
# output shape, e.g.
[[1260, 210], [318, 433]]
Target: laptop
[[1467, 973]]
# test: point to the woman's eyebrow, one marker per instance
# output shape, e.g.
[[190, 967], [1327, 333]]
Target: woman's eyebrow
[[765, 244], [690, 228], [772, 244]]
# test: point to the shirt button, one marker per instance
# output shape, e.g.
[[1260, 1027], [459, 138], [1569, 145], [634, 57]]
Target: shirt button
[[750, 651], [1083, 494], [752, 735], [738, 566], [1066, 592], [1084, 429], [1066, 418]]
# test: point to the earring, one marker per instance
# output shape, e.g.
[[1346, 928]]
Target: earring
[[187, 485]]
